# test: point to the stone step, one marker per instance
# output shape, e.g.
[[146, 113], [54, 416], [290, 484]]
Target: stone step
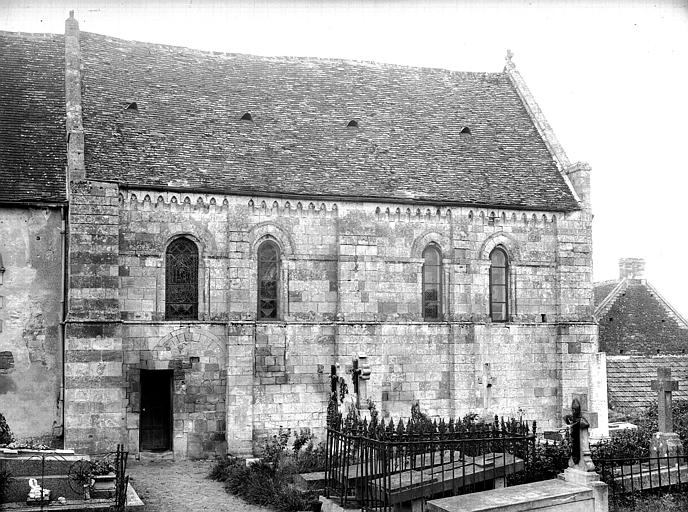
[[156, 456], [310, 481]]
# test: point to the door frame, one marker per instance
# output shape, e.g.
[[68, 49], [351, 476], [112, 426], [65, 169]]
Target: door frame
[[158, 374]]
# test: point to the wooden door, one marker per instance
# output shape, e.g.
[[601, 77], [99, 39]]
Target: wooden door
[[155, 423]]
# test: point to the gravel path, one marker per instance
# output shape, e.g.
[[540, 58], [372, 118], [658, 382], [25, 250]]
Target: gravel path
[[182, 486]]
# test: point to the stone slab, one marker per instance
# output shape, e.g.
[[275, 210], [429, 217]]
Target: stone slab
[[546, 496], [310, 481]]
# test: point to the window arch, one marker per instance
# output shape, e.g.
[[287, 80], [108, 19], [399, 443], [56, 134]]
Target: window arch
[[181, 280], [432, 283], [499, 285], [268, 280]]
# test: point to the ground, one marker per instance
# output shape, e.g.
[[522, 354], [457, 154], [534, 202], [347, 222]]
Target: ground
[[166, 486]]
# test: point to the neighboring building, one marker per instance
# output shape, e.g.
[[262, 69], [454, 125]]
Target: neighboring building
[[32, 214], [634, 318], [629, 380], [636, 322], [240, 224]]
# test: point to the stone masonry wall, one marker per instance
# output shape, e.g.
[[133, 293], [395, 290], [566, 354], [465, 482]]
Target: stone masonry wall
[[95, 415], [30, 314], [350, 282]]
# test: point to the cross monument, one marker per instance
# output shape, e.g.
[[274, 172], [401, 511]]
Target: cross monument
[[665, 444], [664, 386]]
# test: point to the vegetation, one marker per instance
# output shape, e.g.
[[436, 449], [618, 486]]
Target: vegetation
[[4, 483], [6, 436], [269, 482]]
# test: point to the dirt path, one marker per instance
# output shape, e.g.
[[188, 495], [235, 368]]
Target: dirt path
[[182, 486]]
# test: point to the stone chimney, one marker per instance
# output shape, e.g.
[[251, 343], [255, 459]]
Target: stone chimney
[[75, 127], [579, 176], [632, 268]]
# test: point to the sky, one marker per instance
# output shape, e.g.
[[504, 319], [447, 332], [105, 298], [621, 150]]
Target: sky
[[611, 78]]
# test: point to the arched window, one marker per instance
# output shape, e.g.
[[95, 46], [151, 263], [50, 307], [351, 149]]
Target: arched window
[[499, 266], [268, 280], [181, 280], [432, 279]]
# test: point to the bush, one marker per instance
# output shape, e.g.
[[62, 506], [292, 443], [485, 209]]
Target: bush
[[4, 483], [268, 482], [6, 436]]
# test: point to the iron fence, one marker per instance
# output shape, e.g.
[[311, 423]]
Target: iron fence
[[70, 476], [630, 478], [380, 466]]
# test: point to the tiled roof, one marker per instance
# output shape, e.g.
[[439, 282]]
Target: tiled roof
[[640, 320], [32, 118], [629, 378], [186, 131], [601, 290]]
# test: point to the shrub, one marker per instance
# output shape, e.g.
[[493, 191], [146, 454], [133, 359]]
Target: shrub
[[268, 482], [6, 436], [4, 483]]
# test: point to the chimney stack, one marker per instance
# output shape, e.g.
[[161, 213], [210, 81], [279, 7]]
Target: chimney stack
[[75, 128], [632, 268]]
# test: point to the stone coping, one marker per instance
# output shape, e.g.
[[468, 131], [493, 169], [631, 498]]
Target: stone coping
[[548, 493]]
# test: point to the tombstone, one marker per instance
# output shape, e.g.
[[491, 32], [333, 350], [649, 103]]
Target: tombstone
[[665, 443], [580, 439]]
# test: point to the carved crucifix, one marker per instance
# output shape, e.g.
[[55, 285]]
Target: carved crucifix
[[664, 386], [486, 380]]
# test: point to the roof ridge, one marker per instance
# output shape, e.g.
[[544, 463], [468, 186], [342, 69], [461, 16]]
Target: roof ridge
[[609, 300], [294, 58], [671, 311], [30, 35]]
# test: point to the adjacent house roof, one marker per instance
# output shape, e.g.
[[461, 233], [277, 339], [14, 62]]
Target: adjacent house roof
[[629, 378], [634, 318], [172, 117], [32, 118]]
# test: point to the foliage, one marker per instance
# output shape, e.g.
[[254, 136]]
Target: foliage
[[6, 436], [268, 482], [4, 483], [276, 446], [101, 467], [548, 460], [675, 502]]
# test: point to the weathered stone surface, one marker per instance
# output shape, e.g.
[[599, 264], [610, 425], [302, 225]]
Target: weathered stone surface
[[30, 367]]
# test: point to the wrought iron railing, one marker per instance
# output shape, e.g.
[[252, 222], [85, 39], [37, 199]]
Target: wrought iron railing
[[380, 466], [630, 478], [70, 476]]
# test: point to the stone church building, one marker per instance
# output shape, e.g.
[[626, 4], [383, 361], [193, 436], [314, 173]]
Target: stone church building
[[238, 225]]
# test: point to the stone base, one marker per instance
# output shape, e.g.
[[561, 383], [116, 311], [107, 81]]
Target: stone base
[[577, 476], [666, 444]]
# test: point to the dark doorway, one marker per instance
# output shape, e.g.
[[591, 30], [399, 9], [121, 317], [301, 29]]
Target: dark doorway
[[155, 425]]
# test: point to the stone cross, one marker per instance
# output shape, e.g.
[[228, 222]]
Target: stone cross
[[486, 381], [664, 386]]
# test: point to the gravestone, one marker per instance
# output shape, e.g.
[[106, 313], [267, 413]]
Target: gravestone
[[665, 443]]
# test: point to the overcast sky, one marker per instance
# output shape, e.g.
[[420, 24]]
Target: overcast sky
[[610, 77]]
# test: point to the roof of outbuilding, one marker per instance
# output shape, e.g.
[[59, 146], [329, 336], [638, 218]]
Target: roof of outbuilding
[[629, 378], [187, 132], [638, 319], [32, 118]]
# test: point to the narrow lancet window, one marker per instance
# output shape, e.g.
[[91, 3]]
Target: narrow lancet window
[[432, 278], [499, 266], [181, 280], [268, 281]]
